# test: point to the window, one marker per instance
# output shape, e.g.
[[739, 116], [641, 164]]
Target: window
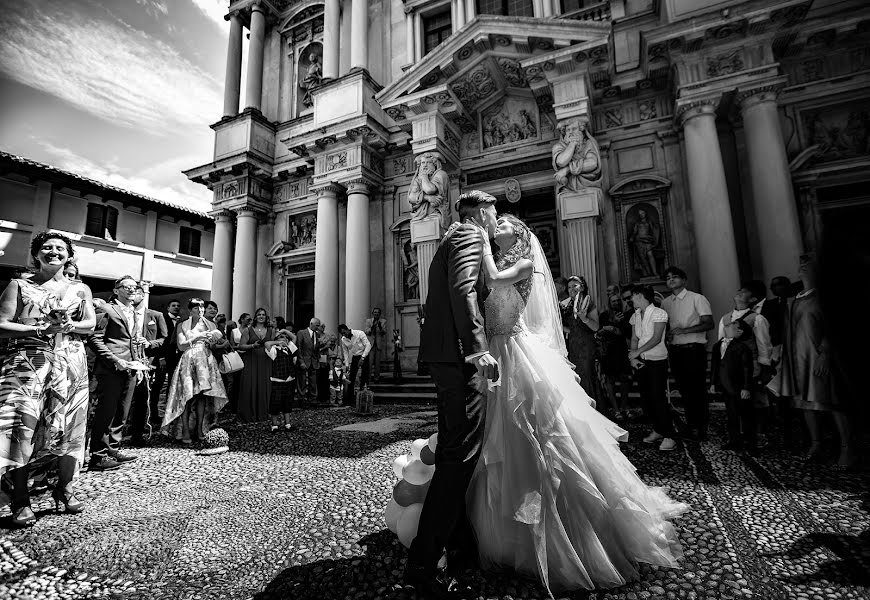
[[571, 5], [436, 29], [102, 222], [510, 8], [189, 241]]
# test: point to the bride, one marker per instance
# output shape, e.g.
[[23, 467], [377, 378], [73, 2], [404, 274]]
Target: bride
[[552, 495]]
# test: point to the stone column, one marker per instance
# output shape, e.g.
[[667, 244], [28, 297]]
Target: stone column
[[245, 262], [359, 35], [711, 210], [580, 251], [460, 15], [222, 262], [357, 275], [410, 35], [773, 199], [331, 36], [418, 36], [470, 10], [548, 8], [326, 257], [264, 277], [254, 87], [233, 79], [537, 8]]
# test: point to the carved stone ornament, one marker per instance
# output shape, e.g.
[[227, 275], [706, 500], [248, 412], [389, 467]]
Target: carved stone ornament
[[613, 117], [512, 190], [576, 158], [303, 230], [338, 160], [475, 87], [514, 119], [840, 131], [513, 73], [646, 110], [428, 194], [725, 64]]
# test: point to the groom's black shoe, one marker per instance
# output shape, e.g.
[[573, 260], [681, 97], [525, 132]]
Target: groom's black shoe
[[427, 585]]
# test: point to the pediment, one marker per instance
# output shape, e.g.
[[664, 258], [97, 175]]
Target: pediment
[[483, 61]]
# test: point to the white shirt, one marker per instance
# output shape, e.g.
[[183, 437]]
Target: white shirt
[[685, 310], [644, 328], [357, 345], [127, 311], [272, 352], [761, 329]]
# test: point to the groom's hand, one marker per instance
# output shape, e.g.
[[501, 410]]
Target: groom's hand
[[487, 366]]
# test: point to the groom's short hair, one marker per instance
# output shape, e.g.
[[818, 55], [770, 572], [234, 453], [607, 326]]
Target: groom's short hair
[[471, 201]]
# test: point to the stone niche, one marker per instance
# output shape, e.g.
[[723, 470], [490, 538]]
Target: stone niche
[[643, 237]]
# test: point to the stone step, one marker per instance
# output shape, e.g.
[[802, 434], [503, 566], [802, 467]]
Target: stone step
[[405, 398], [407, 387]]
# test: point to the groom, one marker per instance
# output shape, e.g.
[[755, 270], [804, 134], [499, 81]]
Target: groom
[[454, 347]]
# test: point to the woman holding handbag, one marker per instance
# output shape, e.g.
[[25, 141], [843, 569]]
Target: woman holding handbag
[[196, 393]]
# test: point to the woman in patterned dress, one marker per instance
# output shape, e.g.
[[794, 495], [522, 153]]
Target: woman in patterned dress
[[196, 393], [44, 376]]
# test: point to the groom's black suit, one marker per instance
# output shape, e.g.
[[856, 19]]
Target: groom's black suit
[[452, 333]]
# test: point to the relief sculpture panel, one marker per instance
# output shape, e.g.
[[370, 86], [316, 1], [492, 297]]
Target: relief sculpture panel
[[510, 121], [840, 132]]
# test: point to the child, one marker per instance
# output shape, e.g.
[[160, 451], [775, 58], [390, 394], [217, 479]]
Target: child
[[733, 367], [337, 381], [282, 351], [397, 363]]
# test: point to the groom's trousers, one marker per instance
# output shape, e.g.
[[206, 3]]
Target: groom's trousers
[[461, 418]]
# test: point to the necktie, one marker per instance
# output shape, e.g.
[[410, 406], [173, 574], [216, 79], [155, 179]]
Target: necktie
[[135, 334]]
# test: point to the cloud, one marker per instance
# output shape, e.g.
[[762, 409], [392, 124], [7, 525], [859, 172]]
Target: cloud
[[214, 10], [155, 8], [105, 67], [161, 181]]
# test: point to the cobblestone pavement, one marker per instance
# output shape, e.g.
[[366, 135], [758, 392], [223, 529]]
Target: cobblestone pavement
[[300, 515]]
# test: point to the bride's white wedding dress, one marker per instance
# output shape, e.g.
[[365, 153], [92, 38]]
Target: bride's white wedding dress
[[552, 496]]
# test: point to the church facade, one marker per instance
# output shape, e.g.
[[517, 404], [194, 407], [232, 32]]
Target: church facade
[[720, 135]]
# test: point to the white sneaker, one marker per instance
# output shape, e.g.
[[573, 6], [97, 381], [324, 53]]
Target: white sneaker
[[653, 437], [667, 444]]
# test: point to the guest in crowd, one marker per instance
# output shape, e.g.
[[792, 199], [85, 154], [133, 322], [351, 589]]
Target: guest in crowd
[[775, 310], [308, 341], [615, 366], [282, 353], [690, 317], [211, 310], [733, 367], [155, 332], [397, 356], [376, 330], [122, 343], [561, 284], [255, 385], [325, 340], [649, 359], [613, 289], [196, 393], [42, 318], [280, 324], [233, 337], [355, 348], [165, 364], [244, 322], [810, 375], [580, 319], [221, 347], [71, 271], [337, 382]]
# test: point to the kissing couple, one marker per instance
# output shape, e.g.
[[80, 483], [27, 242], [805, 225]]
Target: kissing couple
[[528, 475]]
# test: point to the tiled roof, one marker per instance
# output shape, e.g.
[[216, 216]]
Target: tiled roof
[[48, 169]]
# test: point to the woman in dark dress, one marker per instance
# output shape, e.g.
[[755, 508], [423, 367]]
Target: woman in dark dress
[[580, 318], [255, 386], [613, 355]]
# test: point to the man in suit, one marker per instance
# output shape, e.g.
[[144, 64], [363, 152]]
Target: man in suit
[[155, 332], [376, 331], [121, 342], [167, 360], [454, 347], [308, 341]]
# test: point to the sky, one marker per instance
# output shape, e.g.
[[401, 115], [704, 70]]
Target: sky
[[121, 91]]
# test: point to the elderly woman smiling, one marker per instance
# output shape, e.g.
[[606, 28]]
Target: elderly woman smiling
[[44, 376]]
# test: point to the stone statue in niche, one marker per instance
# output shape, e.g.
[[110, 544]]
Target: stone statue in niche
[[313, 75], [644, 238], [410, 271], [428, 194], [576, 158]]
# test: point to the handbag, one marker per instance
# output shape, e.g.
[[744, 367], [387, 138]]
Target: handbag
[[364, 401], [230, 363]]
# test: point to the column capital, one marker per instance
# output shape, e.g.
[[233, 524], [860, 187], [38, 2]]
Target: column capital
[[257, 6], [696, 108], [222, 215], [766, 91], [359, 186], [247, 211], [409, 10], [329, 189]]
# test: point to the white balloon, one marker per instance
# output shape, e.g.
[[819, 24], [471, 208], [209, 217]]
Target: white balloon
[[408, 522], [392, 515], [416, 446], [417, 473], [399, 464], [433, 441]]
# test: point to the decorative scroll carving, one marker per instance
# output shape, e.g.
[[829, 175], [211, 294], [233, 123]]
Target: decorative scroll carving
[[475, 87], [513, 73]]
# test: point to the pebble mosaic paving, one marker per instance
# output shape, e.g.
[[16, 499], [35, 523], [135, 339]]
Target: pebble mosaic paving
[[300, 515]]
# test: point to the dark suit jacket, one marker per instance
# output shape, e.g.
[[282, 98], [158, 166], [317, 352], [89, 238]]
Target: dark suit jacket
[[733, 372], [454, 325], [774, 310], [170, 346], [308, 354], [112, 341]]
